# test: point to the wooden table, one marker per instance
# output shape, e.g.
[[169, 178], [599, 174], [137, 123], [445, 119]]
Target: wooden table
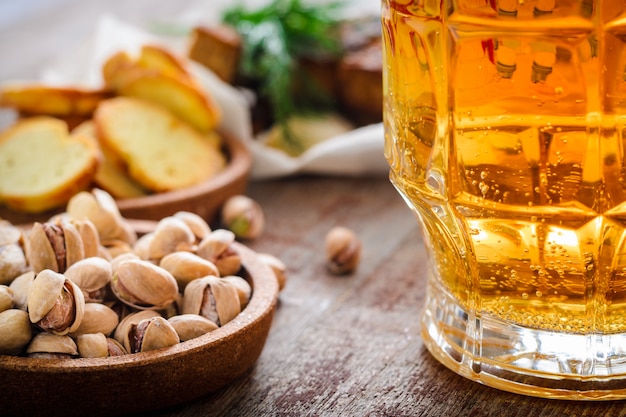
[[339, 346]]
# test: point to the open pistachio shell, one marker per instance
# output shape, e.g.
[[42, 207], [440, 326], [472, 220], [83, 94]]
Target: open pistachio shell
[[213, 298], [91, 275], [12, 262], [142, 285], [170, 235], [152, 334], [122, 330], [190, 326], [187, 266], [92, 345], [52, 345], [20, 287], [197, 224], [7, 298], [54, 245], [55, 303], [15, 331], [89, 236], [216, 247], [97, 318]]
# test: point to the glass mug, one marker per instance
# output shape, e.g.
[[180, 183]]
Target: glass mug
[[505, 132]]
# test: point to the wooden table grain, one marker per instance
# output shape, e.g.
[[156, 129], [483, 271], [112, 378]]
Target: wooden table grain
[[339, 345]]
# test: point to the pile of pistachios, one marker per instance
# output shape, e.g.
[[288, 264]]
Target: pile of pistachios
[[84, 284]]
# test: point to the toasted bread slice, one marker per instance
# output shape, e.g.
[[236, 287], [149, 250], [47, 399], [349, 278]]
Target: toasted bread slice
[[160, 77], [38, 99], [42, 166], [161, 152], [110, 175]]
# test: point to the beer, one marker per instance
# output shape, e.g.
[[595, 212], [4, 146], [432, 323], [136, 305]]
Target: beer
[[505, 124]]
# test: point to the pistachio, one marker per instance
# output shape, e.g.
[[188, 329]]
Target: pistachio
[[244, 290], [9, 234], [343, 250], [190, 326], [92, 275], [115, 347], [213, 298], [170, 235], [198, 226], [54, 246], [92, 345], [143, 285], [187, 266], [52, 346], [89, 236], [217, 248], [15, 331], [121, 258], [13, 262], [97, 318], [100, 208], [151, 334], [277, 266], [122, 330], [7, 298], [20, 287], [243, 216], [117, 247], [55, 303]]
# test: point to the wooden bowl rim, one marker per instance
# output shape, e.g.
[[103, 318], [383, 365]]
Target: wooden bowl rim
[[238, 165], [262, 302]]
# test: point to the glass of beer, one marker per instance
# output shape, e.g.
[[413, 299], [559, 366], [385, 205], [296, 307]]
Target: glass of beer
[[505, 132]]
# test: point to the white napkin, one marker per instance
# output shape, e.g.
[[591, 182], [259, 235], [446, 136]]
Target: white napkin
[[358, 152]]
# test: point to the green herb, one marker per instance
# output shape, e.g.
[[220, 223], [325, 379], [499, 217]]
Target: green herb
[[274, 38]]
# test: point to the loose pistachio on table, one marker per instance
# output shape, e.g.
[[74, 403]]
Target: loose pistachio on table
[[243, 216], [343, 250]]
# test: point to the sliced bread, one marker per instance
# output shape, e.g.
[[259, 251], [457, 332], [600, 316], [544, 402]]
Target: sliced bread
[[42, 166], [161, 152], [110, 175]]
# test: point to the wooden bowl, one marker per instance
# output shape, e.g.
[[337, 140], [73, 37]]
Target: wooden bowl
[[204, 199], [146, 381]]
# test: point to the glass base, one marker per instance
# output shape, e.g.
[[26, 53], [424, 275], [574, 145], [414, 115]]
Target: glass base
[[521, 360]]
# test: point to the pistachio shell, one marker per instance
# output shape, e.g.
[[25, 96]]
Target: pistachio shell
[[89, 236], [141, 248], [52, 343], [243, 216], [190, 326], [216, 248], [170, 235], [91, 275], [121, 331], [186, 266], [55, 303], [20, 287], [9, 234], [142, 284], [73, 244], [15, 331], [7, 298], [92, 345], [154, 333], [244, 290], [197, 224], [115, 347], [277, 266], [213, 298], [39, 250], [101, 210], [121, 258], [12, 262], [97, 318]]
